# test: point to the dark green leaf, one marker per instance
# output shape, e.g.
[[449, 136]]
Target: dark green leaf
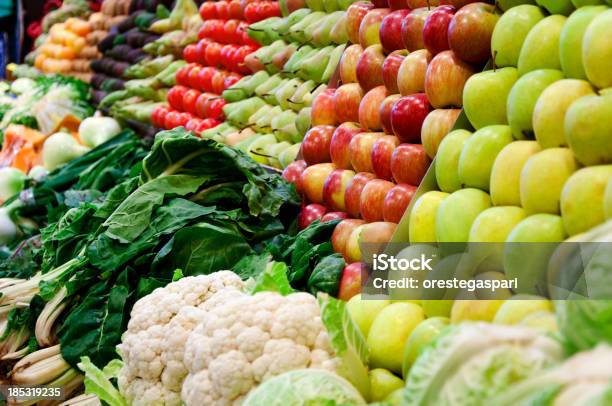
[[326, 275]]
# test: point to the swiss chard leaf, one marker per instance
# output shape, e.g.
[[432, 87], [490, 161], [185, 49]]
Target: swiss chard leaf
[[326, 275], [272, 279]]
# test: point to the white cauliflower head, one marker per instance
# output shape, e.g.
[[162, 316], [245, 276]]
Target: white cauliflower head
[[249, 339], [152, 348]]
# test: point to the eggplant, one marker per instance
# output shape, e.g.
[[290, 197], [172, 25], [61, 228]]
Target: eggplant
[[107, 43]]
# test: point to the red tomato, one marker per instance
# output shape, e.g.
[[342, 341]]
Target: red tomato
[[175, 97], [235, 10], [158, 116], [205, 78], [189, 100], [213, 54], [226, 56], [215, 108], [182, 75], [230, 32], [201, 106], [218, 81], [192, 125], [193, 77], [201, 50], [190, 53], [238, 59], [172, 120], [207, 123], [223, 10], [208, 10], [230, 80]]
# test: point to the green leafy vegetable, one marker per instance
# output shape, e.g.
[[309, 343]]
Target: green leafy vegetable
[[98, 382], [325, 276]]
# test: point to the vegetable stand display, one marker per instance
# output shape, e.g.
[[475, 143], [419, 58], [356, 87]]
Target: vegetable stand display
[[148, 256]]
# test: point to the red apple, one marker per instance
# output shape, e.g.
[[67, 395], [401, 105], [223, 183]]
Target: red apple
[[385, 113], [335, 187], [346, 102], [435, 127], [422, 3], [409, 163], [370, 26], [381, 156], [411, 73], [334, 215], [309, 214], [412, 28], [369, 67], [397, 4], [435, 30], [390, 69], [342, 232], [339, 146], [372, 199], [293, 173], [397, 201], [458, 3], [353, 192], [407, 116], [445, 78], [372, 237], [315, 145], [390, 31], [369, 109], [354, 15], [313, 179], [360, 151], [348, 63], [351, 280], [470, 30], [322, 111]]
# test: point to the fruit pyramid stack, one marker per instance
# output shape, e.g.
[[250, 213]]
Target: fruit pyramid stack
[[267, 113], [214, 63], [538, 167], [373, 137]]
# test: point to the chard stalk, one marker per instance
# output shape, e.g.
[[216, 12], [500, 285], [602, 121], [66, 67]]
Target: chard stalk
[[82, 400], [46, 320], [40, 367], [11, 345]]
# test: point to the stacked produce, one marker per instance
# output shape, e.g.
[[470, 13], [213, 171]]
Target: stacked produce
[[267, 113], [537, 165], [215, 63], [150, 63]]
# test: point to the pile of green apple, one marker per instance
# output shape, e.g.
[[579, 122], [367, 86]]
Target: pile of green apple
[[398, 332], [538, 166], [268, 113]]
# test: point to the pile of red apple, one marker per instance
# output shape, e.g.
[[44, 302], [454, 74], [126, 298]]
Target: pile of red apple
[[215, 63], [373, 138]]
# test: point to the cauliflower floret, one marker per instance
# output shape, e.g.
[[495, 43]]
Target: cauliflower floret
[[246, 340], [153, 346]]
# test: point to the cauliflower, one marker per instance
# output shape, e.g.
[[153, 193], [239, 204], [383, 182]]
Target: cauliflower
[[244, 340], [152, 348]]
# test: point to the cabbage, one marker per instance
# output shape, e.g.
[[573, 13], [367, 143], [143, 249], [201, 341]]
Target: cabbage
[[305, 387], [470, 362], [584, 323], [583, 380]]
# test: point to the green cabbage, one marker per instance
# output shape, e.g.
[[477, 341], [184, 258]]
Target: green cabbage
[[308, 387], [583, 380], [584, 323], [469, 363]]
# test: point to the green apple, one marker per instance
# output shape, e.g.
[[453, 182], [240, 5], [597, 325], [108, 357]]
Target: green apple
[[582, 198], [413, 295], [389, 332], [505, 5], [523, 97], [546, 322], [437, 308], [515, 309], [474, 310], [420, 338], [551, 107], [485, 94], [447, 160], [570, 42], [363, 312], [541, 47], [488, 293], [608, 201], [512, 29], [588, 125], [543, 177], [564, 7], [382, 384], [506, 172], [582, 3], [494, 224], [528, 263], [457, 212], [421, 225], [597, 52], [479, 153]]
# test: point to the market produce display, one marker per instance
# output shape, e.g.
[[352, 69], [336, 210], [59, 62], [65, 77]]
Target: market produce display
[[176, 265]]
